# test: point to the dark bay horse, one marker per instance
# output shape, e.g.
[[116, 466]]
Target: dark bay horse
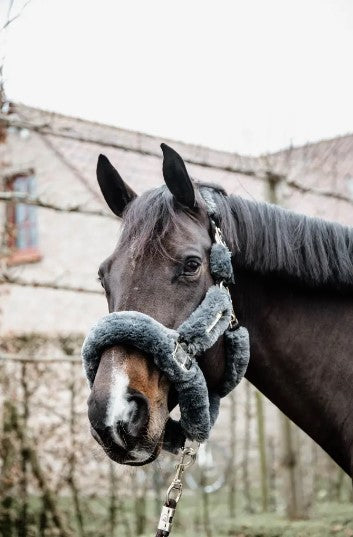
[[293, 291]]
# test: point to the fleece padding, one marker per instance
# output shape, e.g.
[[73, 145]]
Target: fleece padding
[[197, 334], [221, 264]]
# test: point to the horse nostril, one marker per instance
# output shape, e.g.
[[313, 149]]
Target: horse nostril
[[133, 428], [121, 429], [139, 413]]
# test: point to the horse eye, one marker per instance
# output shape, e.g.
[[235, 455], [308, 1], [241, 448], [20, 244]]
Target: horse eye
[[191, 266], [100, 280]]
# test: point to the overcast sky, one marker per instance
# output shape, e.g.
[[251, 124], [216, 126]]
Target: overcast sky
[[249, 76]]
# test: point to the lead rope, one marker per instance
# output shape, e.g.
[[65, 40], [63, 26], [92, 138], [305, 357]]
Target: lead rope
[[175, 490]]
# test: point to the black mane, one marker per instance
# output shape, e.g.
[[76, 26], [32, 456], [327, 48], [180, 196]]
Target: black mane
[[264, 238], [309, 250]]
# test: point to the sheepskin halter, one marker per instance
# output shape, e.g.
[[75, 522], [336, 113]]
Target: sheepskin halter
[[175, 352]]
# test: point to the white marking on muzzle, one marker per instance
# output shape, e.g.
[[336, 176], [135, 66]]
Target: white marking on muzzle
[[119, 408]]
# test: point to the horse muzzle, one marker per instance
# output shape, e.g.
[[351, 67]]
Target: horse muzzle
[[174, 353], [121, 416]]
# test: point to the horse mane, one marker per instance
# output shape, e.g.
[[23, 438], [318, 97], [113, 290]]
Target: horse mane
[[271, 239], [263, 238]]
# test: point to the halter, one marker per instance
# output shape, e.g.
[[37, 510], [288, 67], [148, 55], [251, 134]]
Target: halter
[[175, 352]]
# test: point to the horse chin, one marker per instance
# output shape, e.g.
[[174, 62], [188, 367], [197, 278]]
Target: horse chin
[[139, 456], [134, 458]]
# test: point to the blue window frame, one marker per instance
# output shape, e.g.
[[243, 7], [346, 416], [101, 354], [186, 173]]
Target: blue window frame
[[22, 218]]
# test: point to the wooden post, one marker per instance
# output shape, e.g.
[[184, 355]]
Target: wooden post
[[339, 483], [140, 505], [272, 481], [262, 450], [247, 436], [233, 466], [289, 462], [205, 505]]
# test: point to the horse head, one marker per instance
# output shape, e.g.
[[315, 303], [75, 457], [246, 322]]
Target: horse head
[[160, 267]]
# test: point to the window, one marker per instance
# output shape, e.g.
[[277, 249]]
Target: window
[[22, 223]]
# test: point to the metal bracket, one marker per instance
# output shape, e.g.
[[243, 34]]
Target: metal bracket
[[182, 357], [218, 237]]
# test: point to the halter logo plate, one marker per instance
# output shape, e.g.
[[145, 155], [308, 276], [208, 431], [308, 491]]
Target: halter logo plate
[[166, 518]]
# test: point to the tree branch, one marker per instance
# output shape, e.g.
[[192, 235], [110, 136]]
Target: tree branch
[[10, 21], [261, 173], [14, 280], [34, 359], [21, 197], [46, 129], [324, 193]]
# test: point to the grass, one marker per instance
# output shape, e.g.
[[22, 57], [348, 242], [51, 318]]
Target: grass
[[327, 519]]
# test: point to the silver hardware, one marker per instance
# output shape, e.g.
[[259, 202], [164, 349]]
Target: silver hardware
[[174, 492], [188, 456], [182, 357], [166, 518], [217, 318], [218, 237], [233, 320]]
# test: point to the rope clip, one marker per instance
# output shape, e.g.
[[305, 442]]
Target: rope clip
[[175, 490]]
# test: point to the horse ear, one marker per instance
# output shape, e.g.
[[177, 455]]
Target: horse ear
[[177, 178], [116, 192]]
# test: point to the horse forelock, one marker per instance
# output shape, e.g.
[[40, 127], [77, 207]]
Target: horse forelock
[[150, 219]]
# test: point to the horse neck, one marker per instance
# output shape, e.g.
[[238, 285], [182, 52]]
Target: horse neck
[[301, 341]]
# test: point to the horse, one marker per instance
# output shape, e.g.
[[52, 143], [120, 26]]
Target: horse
[[293, 291]]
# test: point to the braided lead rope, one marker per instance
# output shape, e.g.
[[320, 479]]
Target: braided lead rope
[[175, 490]]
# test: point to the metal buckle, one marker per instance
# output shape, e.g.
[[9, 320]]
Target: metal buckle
[[233, 323], [233, 318]]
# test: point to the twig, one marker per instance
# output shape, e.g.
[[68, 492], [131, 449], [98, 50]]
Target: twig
[[261, 173], [10, 21], [325, 193], [22, 197], [14, 280], [44, 128], [80, 176], [34, 359]]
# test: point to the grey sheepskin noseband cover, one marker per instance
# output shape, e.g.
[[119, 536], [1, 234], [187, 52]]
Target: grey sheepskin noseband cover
[[175, 351]]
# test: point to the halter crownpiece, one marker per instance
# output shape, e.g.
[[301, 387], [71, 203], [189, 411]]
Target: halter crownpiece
[[175, 352]]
